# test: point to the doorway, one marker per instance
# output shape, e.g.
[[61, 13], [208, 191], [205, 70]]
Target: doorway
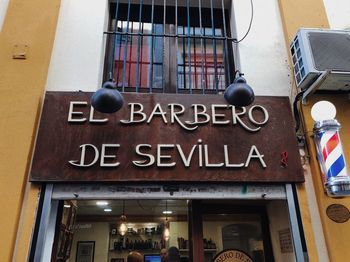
[[201, 224]]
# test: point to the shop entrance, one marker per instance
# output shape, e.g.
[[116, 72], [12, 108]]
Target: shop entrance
[[108, 230], [88, 228]]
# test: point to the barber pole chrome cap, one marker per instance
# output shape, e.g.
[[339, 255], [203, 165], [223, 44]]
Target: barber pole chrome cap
[[330, 154]]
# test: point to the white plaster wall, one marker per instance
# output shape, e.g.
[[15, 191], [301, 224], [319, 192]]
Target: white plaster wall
[[338, 13], [3, 11], [263, 54], [78, 52]]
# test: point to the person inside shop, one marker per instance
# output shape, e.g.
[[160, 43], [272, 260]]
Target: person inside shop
[[173, 255], [163, 255], [134, 257]]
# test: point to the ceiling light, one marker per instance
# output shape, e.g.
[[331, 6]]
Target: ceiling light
[[102, 203], [122, 227], [107, 209], [167, 212], [166, 231], [66, 206]]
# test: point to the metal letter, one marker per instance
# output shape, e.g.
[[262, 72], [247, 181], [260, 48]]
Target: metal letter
[[256, 155], [133, 113], [103, 156], [160, 157], [142, 163], [82, 158], [71, 112]]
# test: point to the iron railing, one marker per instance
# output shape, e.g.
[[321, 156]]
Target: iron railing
[[176, 46]]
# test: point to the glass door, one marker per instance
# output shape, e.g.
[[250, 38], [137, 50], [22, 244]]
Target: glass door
[[230, 225]]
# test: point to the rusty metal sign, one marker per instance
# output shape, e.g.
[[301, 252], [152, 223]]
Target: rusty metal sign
[[166, 137]]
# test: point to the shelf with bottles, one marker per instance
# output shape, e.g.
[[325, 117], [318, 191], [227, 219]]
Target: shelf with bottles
[[146, 237], [208, 245], [126, 244], [138, 230]]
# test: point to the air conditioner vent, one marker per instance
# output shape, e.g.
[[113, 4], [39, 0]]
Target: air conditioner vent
[[325, 52], [330, 51]]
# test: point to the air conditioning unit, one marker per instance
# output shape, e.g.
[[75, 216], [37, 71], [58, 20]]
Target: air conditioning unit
[[321, 59]]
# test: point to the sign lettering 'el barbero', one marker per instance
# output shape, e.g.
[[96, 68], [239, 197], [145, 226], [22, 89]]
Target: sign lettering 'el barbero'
[[166, 137]]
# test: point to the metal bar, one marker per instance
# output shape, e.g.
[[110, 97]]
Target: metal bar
[[201, 34], [227, 65], [126, 47], [184, 60], [189, 46], [195, 60], [119, 52], [298, 249], [205, 62], [138, 49], [46, 232], [111, 69], [177, 49], [151, 53], [130, 54], [142, 40], [212, 37], [214, 45], [164, 39]]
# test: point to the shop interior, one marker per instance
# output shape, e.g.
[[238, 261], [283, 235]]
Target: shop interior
[[107, 230]]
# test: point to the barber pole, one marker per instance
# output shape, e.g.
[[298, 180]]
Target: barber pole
[[331, 157]]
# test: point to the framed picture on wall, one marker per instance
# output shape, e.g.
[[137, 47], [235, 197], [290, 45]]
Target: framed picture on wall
[[85, 251]]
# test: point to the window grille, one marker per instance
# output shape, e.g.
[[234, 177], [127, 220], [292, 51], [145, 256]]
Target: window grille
[[172, 46]]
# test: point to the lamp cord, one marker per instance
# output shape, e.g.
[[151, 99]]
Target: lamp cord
[[250, 24], [166, 210]]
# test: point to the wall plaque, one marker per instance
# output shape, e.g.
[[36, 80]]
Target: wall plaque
[[166, 137], [338, 213]]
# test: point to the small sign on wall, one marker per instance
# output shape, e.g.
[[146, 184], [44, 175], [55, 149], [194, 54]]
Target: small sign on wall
[[286, 243]]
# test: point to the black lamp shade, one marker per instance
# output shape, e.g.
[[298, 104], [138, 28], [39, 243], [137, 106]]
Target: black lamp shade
[[107, 99], [239, 93]]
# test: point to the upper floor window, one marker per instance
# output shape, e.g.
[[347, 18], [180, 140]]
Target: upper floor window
[[172, 46]]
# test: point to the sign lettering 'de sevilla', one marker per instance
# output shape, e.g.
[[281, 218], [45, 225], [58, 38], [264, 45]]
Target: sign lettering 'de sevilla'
[[165, 137]]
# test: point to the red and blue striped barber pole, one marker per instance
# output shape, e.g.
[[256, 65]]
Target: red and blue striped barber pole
[[331, 158]]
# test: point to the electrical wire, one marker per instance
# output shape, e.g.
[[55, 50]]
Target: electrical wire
[[296, 111], [250, 24]]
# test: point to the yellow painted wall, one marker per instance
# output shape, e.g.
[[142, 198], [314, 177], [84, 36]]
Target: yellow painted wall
[[22, 83], [311, 14], [337, 235], [307, 14]]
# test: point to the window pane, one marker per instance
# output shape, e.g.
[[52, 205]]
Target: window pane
[[99, 222]]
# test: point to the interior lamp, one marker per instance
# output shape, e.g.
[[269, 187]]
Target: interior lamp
[[239, 93], [166, 232], [329, 149], [122, 227]]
